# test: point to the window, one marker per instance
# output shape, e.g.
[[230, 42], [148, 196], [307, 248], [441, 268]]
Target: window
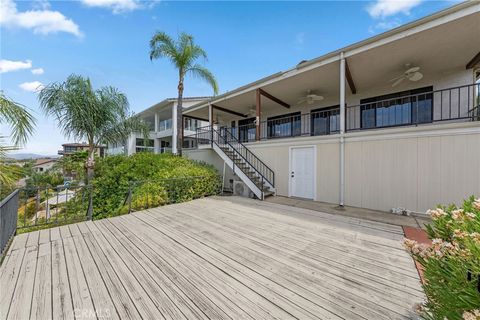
[[70, 149], [141, 147], [190, 124], [401, 108], [286, 125], [246, 130], [325, 121]]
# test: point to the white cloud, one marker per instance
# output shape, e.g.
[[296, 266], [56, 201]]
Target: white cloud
[[384, 25], [33, 86], [117, 6], [42, 21], [386, 8], [38, 71], [300, 38], [9, 65]]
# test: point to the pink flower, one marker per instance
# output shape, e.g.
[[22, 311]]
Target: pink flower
[[436, 213], [476, 204], [470, 216], [457, 214], [471, 315]]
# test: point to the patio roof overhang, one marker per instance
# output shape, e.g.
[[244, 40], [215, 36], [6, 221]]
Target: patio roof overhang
[[438, 44]]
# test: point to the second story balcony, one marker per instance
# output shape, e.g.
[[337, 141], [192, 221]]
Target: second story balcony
[[410, 108]]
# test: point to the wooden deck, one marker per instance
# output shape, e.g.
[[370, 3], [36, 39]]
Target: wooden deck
[[215, 258]]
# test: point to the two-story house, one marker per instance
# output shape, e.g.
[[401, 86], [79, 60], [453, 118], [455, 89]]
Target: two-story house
[[163, 131], [388, 122]]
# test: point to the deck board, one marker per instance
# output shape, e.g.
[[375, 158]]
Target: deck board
[[213, 258]]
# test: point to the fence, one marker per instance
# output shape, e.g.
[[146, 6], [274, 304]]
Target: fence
[[8, 220], [33, 208], [53, 205]]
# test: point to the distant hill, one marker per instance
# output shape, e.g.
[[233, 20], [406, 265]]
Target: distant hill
[[26, 156]]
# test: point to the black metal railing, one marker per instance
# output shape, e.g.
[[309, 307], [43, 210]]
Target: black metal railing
[[33, 208], [451, 104], [8, 220], [455, 104], [40, 206], [321, 122], [223, 137]]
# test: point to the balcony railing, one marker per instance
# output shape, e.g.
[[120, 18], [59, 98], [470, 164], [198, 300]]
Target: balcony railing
[[153, 149], [456, 104], [452, 104]]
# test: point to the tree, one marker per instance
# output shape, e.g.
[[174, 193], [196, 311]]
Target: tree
[[22, 124], [183, 53], [82, 113]]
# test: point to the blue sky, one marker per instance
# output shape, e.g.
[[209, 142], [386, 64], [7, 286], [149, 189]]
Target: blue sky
[[107, 40]]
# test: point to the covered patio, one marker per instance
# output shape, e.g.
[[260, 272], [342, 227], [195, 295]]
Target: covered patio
[[367, 85], [213, 258]]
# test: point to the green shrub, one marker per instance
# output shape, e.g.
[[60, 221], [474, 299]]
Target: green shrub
[[153, 179], [451, 263]]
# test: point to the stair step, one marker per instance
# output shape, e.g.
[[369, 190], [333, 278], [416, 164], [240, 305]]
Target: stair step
[[268, 193]]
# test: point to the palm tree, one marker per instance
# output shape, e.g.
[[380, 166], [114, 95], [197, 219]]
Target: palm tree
[[18, 118], [22, 124], [82, 113], [183, 53]]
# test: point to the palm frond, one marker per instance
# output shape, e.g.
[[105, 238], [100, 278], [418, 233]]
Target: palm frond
[[18, 118], [9, 173], [205, 74], [163, 46]]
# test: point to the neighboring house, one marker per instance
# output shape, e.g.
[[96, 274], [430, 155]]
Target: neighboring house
[[42, 165], [344, 129], [71, 148], [163, 133]]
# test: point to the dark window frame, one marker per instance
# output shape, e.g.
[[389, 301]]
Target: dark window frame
[[243, 129], [329, 111], [295, 118], [139, 142], [372, 103]]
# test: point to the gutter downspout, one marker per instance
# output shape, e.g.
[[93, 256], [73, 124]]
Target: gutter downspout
[[342, 129]]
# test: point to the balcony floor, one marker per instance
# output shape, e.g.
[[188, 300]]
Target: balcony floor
[[214, 258]]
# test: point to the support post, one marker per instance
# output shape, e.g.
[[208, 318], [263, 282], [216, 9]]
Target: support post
[[156, 121], [210, 122], [342, 129], [258, 112], [90, 203], [174, 129]]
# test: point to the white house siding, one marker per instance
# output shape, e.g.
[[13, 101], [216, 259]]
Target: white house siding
[[414, 168]]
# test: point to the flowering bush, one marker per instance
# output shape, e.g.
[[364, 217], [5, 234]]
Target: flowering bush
[[451, 263]]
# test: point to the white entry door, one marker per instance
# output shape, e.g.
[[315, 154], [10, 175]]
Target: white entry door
[[302, 172]]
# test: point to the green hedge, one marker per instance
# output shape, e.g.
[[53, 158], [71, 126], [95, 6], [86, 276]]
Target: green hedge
[[155, 179], [452, 263]]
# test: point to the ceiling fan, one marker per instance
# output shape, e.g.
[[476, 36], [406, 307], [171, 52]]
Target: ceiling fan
[[310, 98], [411, 73]]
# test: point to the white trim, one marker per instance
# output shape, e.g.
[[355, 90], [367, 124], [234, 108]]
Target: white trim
[[314, 169]]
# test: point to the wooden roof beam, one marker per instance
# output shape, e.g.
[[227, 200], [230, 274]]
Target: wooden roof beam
[[229, 111], [273, 98], [474, 62], [348, 75]]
